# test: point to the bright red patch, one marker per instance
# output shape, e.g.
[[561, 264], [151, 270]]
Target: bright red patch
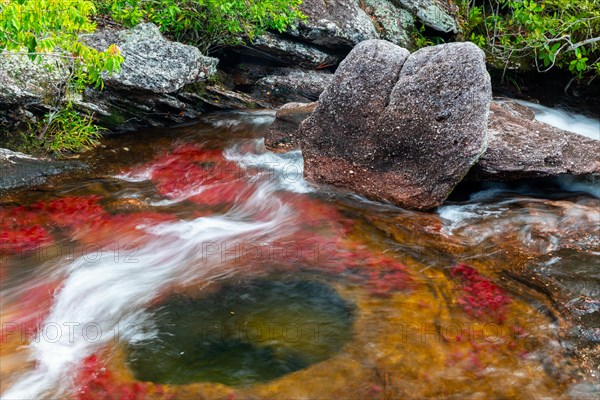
[[95, 382], [197, 174], [479, 297]]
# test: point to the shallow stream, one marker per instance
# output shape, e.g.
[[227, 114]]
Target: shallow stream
[[192, 263]]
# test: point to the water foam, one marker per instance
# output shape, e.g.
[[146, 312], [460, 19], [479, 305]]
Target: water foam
[[286, 170], [107, 295], [565, 120]]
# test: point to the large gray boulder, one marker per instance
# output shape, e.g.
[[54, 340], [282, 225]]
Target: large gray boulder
[[521, 147], [151, 62], [23, 80], [149, 88], [334, 24], [398, 127], [27, 85], [145, 92]]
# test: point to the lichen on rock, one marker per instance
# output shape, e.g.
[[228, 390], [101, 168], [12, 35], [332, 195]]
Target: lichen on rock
[[151, 62]]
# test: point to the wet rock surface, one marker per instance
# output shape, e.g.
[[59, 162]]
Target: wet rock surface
[[281, 135], [18, 169], [399, 127], [520, 147]]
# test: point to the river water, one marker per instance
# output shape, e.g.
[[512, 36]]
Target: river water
[[192, 263]]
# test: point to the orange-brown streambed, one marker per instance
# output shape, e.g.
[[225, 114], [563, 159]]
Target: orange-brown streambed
[[191, 263]]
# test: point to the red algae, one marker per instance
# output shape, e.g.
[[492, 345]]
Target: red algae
[[388, 277], [24, 239], [71, 211], [197, 174], [34, 306], [480, 298], [25, 229], [104, 230], [95, 382], [20, 231]]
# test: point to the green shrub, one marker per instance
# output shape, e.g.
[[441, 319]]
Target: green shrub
[[51, 28], [64, 130], [207, 23], [526, 34]]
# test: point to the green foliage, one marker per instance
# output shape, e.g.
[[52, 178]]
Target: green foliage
[[207, 23], [544, 34], [64, 130], [52, 27], [423, 40]]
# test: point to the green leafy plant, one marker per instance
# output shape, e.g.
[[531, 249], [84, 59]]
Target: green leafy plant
[[423, 40], [543, 35], [50, 28], [64, 130], [207, 23]]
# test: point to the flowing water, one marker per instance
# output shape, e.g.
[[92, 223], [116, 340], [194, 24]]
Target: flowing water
[[565, 119], [192, 263]]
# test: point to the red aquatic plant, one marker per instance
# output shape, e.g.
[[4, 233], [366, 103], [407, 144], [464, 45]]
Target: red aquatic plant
[[33, 308], [24, 228], [20, 231], [386, 277], [71, 211], [23, 239], [118, 229], [197, 174], [479, 297], [222, 193], [96, 382]]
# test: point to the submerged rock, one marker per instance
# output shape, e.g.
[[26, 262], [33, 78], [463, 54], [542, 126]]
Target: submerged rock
[[521, 147], [400, 127]]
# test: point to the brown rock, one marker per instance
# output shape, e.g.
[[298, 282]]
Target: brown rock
[[520, 147], [281, 135], [400, 128]]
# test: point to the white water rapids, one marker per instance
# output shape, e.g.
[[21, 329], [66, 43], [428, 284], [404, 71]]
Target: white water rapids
[[109, 295], [565, 120]]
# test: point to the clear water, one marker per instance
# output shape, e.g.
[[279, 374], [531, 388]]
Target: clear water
[[106, 276]]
